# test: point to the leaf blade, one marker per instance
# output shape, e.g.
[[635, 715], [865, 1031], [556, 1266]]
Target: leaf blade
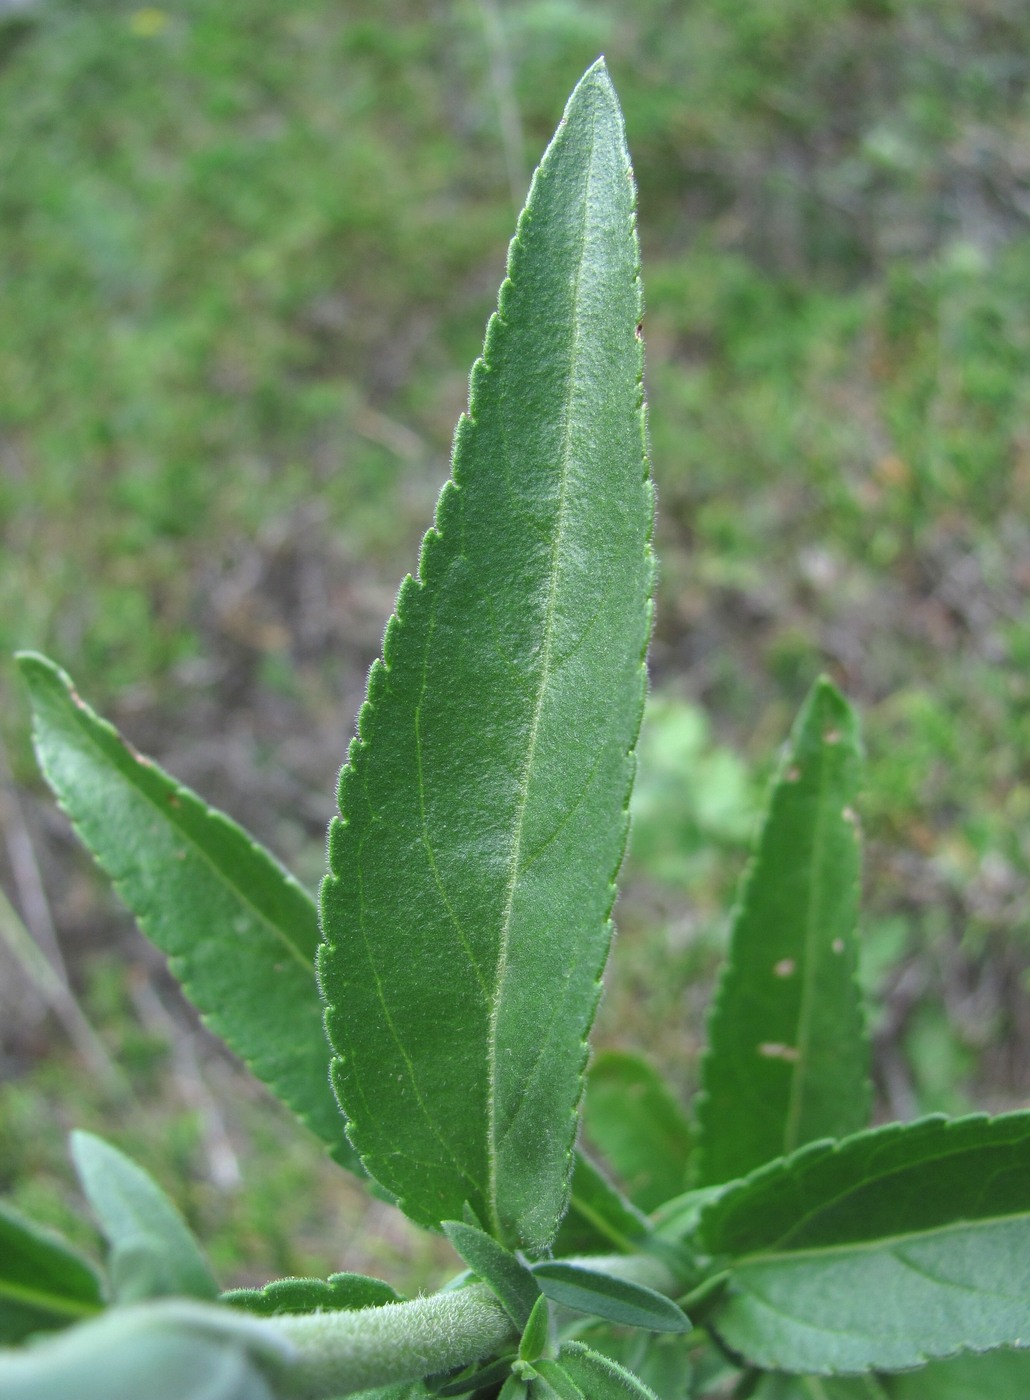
[[632, 1117], [239, 932], [493, 762], [514, 1285], [153, 1252], [787, 1061], [44, 1283], [615, 1299], [898, 1245]]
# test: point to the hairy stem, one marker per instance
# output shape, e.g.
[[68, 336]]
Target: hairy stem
[[342, 1353]]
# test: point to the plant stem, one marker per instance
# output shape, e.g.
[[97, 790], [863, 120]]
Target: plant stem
[[341, 1353]]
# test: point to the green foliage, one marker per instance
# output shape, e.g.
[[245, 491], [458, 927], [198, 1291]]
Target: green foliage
[[510, 876], [151, 1253], [786, 1061], [44, 1283], [191, 878], [465, 925]]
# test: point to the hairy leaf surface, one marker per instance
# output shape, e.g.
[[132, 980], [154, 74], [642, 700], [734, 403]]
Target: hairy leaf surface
[[898, 1245], [615, 1299], [583, 1374], [483, 805], [632, 1117], [239, 932], [152, 1251], [339, 1292], [787, 1061], [44, 1283]]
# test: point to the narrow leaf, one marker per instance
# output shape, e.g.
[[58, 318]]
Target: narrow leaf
[[298, 1295], [615, 1299], [476, 1378], [511, 1281], [483, 806], [597, 1377], [788, 1061], [994, 1375], [632, 1118], [240, 934], [152, 1252], [44, 1283], [896, 1246], [537, 1333], [599, 1216]]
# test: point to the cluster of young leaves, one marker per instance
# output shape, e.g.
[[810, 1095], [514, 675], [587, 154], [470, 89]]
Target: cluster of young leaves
[[465, 922]]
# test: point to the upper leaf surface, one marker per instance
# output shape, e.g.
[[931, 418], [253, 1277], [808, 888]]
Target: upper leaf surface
[[895, 1246], [239, 932], [599, 1216], [44, 1283], [615, 1299], [509, 1278], [788, 1061], [483, 806], [339, 1292]]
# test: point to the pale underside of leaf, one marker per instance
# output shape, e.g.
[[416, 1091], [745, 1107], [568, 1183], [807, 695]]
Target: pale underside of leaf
[[483, 807], [897, 1246], [788, 1058]]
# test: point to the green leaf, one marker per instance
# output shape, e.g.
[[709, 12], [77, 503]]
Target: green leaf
[[511, 1281], [633, 1119], [240, 934], [476, 1378], [299, 1295], [167, 1350], [152, 1252], [537, 1333], [896, 1246], [994, 1375], [615, 1299], [582, 1374], [777, 1386], [788, 1061], [599, 1216], [664, 1361], [44, 1283], [483, 805]]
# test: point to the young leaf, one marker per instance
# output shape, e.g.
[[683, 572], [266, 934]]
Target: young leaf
[[44, 1283], [895, 1246], [299, 1295], [537, 1333], [633, 1119], [166, 1350], [510, 1280], [152, 1252], [582, 1374], [615, 1299], [599, 1216], [239, 933], [483, 805], [787, 1061]]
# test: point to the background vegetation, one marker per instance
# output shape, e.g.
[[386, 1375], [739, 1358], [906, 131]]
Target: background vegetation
[[247, 257]]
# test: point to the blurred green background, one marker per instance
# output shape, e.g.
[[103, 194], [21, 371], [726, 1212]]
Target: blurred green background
[[247, 253]]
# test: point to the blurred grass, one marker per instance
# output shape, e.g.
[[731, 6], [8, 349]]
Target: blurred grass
[[248, 255]]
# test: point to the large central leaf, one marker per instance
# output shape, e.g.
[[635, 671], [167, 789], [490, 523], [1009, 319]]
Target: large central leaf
[[483, 806]]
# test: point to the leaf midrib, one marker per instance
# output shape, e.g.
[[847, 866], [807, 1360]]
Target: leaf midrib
[[198, 850], [493, 1145]]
